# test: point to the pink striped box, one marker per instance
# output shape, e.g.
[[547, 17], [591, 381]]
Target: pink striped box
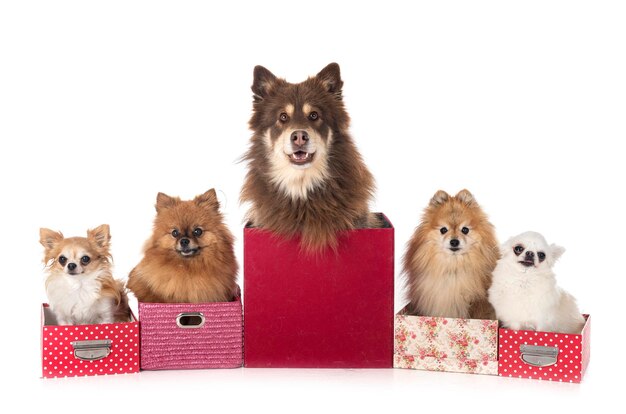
[[191, 335]]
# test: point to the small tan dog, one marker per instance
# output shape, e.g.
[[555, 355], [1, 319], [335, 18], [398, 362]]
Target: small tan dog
[[80, 286], [450, 258]]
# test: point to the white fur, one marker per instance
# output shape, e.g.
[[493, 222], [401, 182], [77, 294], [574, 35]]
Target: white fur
[[76, 300], [528, 297], [296, 181]]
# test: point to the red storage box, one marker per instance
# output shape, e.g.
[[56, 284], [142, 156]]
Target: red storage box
[[446, 344], [331, 310], [546, 356], [191, 335], [84, 350]]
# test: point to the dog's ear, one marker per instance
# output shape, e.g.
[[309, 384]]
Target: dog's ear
[[464, 196], [263, 83], [208, 199], [439, 198], [100, 236], [49, 238], [165, 201], [330, 77], [556, 251]]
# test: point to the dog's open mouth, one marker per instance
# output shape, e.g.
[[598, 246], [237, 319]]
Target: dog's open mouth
[[527, 263], [301, 157], [188, 252]]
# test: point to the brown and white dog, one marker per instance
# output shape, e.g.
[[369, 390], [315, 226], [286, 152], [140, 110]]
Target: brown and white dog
[[305, 175]]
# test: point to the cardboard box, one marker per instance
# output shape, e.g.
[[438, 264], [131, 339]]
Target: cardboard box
[[85, 350], [191, 335], [446, 344], [332, 310], [546, 356]]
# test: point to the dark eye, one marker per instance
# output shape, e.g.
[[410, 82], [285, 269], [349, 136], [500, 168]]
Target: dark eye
[[313, 116], [197, 232], [85, 259], [465, 230], [443, 230], [541, 256], [283, 117], [518, 249], [62, 260], [175, 233]]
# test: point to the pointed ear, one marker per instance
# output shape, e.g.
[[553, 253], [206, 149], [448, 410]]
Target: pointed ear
[[557, 251], [165, 201], [209, 199], [49, 238], [465, 197], [100, 236], [331, 79], [439, 198], [263, 83]]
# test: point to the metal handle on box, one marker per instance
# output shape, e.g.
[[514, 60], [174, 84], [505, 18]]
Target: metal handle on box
[[539, 356], [92, 350], [190, 320]]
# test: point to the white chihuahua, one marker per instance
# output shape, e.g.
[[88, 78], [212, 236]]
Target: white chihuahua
[[524, 292]]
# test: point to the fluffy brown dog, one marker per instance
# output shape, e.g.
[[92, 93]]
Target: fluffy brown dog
[[450, 259], [305, 175], [190, 257]]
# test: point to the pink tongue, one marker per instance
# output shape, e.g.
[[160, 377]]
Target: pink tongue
[[299, 155]]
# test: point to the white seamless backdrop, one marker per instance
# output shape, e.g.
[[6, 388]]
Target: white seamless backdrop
[[104, 104]]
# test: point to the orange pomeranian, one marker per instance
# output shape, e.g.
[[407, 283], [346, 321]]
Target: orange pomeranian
[[450, 259], [190, 256], [80, 286]]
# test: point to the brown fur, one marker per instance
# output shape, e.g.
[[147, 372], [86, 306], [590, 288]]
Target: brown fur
[[451, 285], [164, 275], [335, 203], [97, 245]]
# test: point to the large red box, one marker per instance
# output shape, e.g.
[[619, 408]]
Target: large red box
[[548, 356], [328, 310], [85, 350], [191, 335]]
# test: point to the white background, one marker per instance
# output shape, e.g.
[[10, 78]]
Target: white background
[[104, 104]]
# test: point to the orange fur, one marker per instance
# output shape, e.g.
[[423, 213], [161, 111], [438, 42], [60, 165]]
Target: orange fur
[[445, 283], [165, 275]]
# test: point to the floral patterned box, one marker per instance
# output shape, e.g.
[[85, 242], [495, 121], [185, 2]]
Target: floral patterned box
[[446, 344]]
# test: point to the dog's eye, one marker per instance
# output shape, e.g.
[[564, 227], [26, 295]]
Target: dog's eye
[[85, 259], [197, 232], [518, 249], [283, 117], [62, 260], [313, 116], [465, 230], [175, 233], [541, 256], [443, 230]]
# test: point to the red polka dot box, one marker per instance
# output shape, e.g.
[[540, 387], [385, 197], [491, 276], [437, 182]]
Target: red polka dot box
[[544, 356], [85, 350], [191, 335]]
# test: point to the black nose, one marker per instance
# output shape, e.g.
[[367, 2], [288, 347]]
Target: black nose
[[184, 242], [454, 242], [71, 266], [299, 138], [530, 254]]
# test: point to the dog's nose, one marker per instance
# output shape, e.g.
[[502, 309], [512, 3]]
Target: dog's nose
[[455, 242], [184, 242], [71, 266], [299, 138], [530, 255]]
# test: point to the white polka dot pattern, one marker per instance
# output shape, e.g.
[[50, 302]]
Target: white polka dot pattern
[[58, 358], [572, 360]]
